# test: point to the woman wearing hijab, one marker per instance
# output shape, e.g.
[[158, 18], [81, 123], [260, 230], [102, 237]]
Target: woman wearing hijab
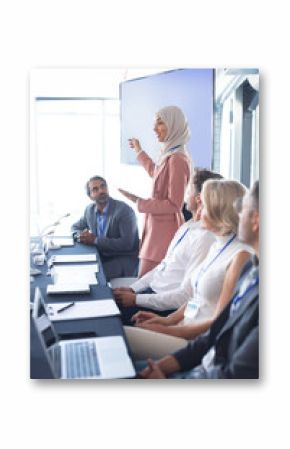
[[163, 212]]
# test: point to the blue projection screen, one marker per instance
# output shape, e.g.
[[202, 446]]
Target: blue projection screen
[[141, 98]]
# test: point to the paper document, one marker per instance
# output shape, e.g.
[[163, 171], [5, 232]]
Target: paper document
[[34, 271], [83, 309], [122, 282], [62, 258], [61, 241], [72, 287], [82, 273]]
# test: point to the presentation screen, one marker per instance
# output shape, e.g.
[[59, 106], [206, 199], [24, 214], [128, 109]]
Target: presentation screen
[[189, 89]]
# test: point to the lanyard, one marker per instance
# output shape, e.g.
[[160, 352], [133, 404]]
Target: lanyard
[[174, 148], [180, 239], [203, 270], [240, 296], [163, 264]]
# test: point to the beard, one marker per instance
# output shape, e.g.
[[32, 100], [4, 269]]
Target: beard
[[103, 199]]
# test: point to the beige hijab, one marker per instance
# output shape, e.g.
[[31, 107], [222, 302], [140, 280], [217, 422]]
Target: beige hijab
[[178, 132]]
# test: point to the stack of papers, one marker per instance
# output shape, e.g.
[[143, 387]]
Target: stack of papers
[[63, 288], [122, 282], [72, 258], [34, 271], [81, 273], [82, 309], [61, 241]]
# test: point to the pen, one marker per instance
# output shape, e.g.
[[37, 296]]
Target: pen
[[66, 307]]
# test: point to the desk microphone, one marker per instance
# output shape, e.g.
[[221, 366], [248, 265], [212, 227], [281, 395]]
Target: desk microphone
[[52, 225], [42, 246], [49, 244]]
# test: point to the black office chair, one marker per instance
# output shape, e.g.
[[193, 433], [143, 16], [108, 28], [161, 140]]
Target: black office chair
[[187, 215]]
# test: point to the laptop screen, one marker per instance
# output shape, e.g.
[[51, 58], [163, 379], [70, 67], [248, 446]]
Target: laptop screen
[[42, 321]]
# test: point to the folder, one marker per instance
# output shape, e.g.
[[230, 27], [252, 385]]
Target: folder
[[82, 309]]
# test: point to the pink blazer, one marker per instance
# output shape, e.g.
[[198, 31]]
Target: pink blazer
[[163, 211]]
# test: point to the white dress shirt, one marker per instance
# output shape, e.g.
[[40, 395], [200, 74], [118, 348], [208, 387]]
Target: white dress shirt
[[186, 251]]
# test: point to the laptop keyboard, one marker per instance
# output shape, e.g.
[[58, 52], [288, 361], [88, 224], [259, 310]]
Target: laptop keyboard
[[81, 360], [55, 355]]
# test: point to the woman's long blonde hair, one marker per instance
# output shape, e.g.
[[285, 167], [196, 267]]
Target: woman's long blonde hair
[[218, 197]]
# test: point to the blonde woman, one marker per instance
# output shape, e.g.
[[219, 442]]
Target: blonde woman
[[210, 286]]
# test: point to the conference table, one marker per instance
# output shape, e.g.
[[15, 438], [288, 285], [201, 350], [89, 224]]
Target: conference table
[[89, 327]]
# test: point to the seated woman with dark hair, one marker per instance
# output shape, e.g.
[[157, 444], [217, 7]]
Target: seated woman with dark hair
[[210, 286]]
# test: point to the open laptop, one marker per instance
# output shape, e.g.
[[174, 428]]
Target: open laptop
[[84, 358]]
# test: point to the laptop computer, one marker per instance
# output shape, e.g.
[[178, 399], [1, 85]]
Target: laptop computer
[[83, 358]]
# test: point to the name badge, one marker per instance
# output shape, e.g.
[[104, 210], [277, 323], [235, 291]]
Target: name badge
[[161, 266], [191, 311]]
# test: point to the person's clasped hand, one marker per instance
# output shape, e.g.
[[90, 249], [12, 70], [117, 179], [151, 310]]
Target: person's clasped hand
[[152, 371], [143, 316], [125, 296], [87, 237], [145, 319]]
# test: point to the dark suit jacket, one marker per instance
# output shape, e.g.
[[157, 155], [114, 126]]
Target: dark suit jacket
[[121, 232], [235, 339], [119, 246]]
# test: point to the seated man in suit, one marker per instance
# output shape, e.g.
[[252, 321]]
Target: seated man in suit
[[111, 226], [230, 348]]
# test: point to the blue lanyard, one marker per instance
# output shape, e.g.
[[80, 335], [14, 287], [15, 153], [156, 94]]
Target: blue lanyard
[[240, 296], [174, 148], [180, 238], [203, 270], [163, 264]]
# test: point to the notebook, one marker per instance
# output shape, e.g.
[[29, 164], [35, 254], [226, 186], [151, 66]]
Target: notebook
[[61, 241], [65, 288], [83, 358], [75, 310], [122, 282], [71, 258], [81, 273]]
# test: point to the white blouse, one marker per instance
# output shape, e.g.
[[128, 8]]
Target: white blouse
[[206, 282]]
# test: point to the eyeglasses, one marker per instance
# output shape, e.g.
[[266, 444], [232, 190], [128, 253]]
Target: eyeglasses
[[238, 204]]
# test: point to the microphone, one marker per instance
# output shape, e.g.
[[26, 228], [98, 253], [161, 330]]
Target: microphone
[[43, 245], [48, 243], [52, 225]]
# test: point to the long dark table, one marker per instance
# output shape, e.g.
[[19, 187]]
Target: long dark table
[[106, 326]]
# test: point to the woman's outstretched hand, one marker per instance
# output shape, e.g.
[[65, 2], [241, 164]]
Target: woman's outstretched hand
[[135, 144], [129, 195]]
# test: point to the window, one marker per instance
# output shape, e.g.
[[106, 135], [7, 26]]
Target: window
[[71, 138], [238, 156], [255, 146]]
